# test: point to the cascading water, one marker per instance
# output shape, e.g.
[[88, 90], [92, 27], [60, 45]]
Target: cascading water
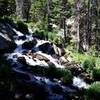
[[18, 52], [78, 82]]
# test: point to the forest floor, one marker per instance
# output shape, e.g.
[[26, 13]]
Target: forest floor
[[81, 57]]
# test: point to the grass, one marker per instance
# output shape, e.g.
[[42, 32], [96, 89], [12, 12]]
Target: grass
[[82, 57], [93, 91], [79, 57]]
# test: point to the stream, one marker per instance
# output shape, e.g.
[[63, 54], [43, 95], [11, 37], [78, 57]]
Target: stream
[[22, 52]]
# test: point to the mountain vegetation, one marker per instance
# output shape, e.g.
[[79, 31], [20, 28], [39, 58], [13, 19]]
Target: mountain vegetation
[[49, 49]]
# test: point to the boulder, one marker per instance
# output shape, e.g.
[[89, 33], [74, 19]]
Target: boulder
[[9, 21], [22, 60], [39, 56], [47, 48], [21, 37], [7, 34], [6, 44], [29, 44], [58, 50], [63, 61], [87, 78], [57, 89], [6, 31], [51, 49]]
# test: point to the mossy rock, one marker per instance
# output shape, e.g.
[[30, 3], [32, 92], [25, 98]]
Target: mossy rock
[[22, 27]]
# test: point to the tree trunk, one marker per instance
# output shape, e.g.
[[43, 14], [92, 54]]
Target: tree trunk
[[49, 4], [64, 23], [97, 23], [63, 17], [78, 6], [23, 8], [89, 23]]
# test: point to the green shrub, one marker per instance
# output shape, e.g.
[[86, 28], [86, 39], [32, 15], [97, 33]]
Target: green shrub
[[44, 34], [41, 34], [89, 64], [6, 19], [22, 27], [38, 25], [59, 73], [96, 74], [37, 70], [66, 76], [58, 40], [52, 71], [93, 91], [51, 36]]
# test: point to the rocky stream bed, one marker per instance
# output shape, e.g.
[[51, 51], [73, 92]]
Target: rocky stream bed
[[29, 56]]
